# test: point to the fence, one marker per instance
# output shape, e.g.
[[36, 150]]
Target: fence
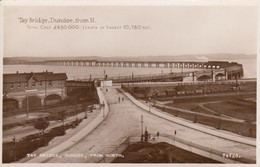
[[205, 151]]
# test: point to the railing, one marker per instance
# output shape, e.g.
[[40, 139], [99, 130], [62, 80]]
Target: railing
[[206, 151]]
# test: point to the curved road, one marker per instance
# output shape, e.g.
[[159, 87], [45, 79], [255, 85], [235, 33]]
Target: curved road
[[123, 121]]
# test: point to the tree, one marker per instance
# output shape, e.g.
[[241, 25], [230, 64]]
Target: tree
[[62, 116], [41, 124]]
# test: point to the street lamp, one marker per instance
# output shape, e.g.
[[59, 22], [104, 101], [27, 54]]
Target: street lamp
[[103, 108], [27, 105], [14, 149], [149, 104], [175, 132], [86, 116], [219, 120], [142, 122], [76, 106]]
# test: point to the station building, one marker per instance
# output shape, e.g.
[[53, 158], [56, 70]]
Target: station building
[[32, 90]]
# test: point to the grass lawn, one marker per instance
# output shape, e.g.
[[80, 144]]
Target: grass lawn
[[234, 109]]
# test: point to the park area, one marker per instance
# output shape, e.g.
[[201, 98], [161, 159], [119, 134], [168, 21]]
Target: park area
[[232, 112]]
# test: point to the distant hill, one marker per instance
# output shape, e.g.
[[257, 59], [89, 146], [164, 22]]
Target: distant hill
[[208, 57]]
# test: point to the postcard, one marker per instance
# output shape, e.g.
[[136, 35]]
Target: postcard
[[129, 83]]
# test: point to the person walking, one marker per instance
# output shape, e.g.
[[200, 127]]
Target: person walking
[[158, 134]]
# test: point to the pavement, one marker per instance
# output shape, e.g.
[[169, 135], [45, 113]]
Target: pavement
[[124, 120]]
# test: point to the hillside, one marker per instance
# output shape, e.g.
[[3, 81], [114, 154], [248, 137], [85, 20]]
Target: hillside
[[208, 57]]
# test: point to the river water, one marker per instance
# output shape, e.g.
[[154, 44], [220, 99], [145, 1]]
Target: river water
[[84, 72]]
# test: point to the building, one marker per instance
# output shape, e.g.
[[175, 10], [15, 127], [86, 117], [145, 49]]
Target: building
[[32, 90]]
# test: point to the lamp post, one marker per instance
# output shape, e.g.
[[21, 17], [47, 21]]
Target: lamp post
[[86, 115], [14, 150], [142, 122], [76, 106], [149, 104], [103, 108], [175, 132], [45, 84], [219, 120], [63, 120], [27, 105]]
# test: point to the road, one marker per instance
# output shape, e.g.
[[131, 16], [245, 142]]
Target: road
[[123, 121]]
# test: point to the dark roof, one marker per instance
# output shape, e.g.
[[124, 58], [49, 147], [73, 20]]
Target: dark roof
[[25, 77]]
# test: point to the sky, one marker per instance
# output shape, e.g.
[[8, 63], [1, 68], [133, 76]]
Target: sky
[[165, 30]]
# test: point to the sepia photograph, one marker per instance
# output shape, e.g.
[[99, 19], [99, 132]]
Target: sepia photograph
[[129, 84]]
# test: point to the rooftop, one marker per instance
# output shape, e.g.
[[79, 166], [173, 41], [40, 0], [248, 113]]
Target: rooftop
[[25, 77]]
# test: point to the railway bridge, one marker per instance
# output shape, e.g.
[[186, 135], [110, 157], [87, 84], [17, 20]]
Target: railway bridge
[[208, 70], [149, 64], [198, 75]]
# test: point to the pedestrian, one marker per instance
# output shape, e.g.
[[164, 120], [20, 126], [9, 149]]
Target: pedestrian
[[119, 99], [123, 99], [158, 134], [106, 90]]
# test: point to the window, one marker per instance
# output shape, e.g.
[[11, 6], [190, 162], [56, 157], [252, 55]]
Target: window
[[19, 85], [33, 84], [11, 86], [50, 83]]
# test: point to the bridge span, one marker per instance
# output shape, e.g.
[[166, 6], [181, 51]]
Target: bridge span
[[149, 64], [211, 70]]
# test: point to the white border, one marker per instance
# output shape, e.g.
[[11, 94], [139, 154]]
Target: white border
[[131, 3]]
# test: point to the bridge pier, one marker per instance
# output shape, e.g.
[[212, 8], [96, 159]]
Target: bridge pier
[[20, 104], [194, 77], [42, 102], [213, 76]]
